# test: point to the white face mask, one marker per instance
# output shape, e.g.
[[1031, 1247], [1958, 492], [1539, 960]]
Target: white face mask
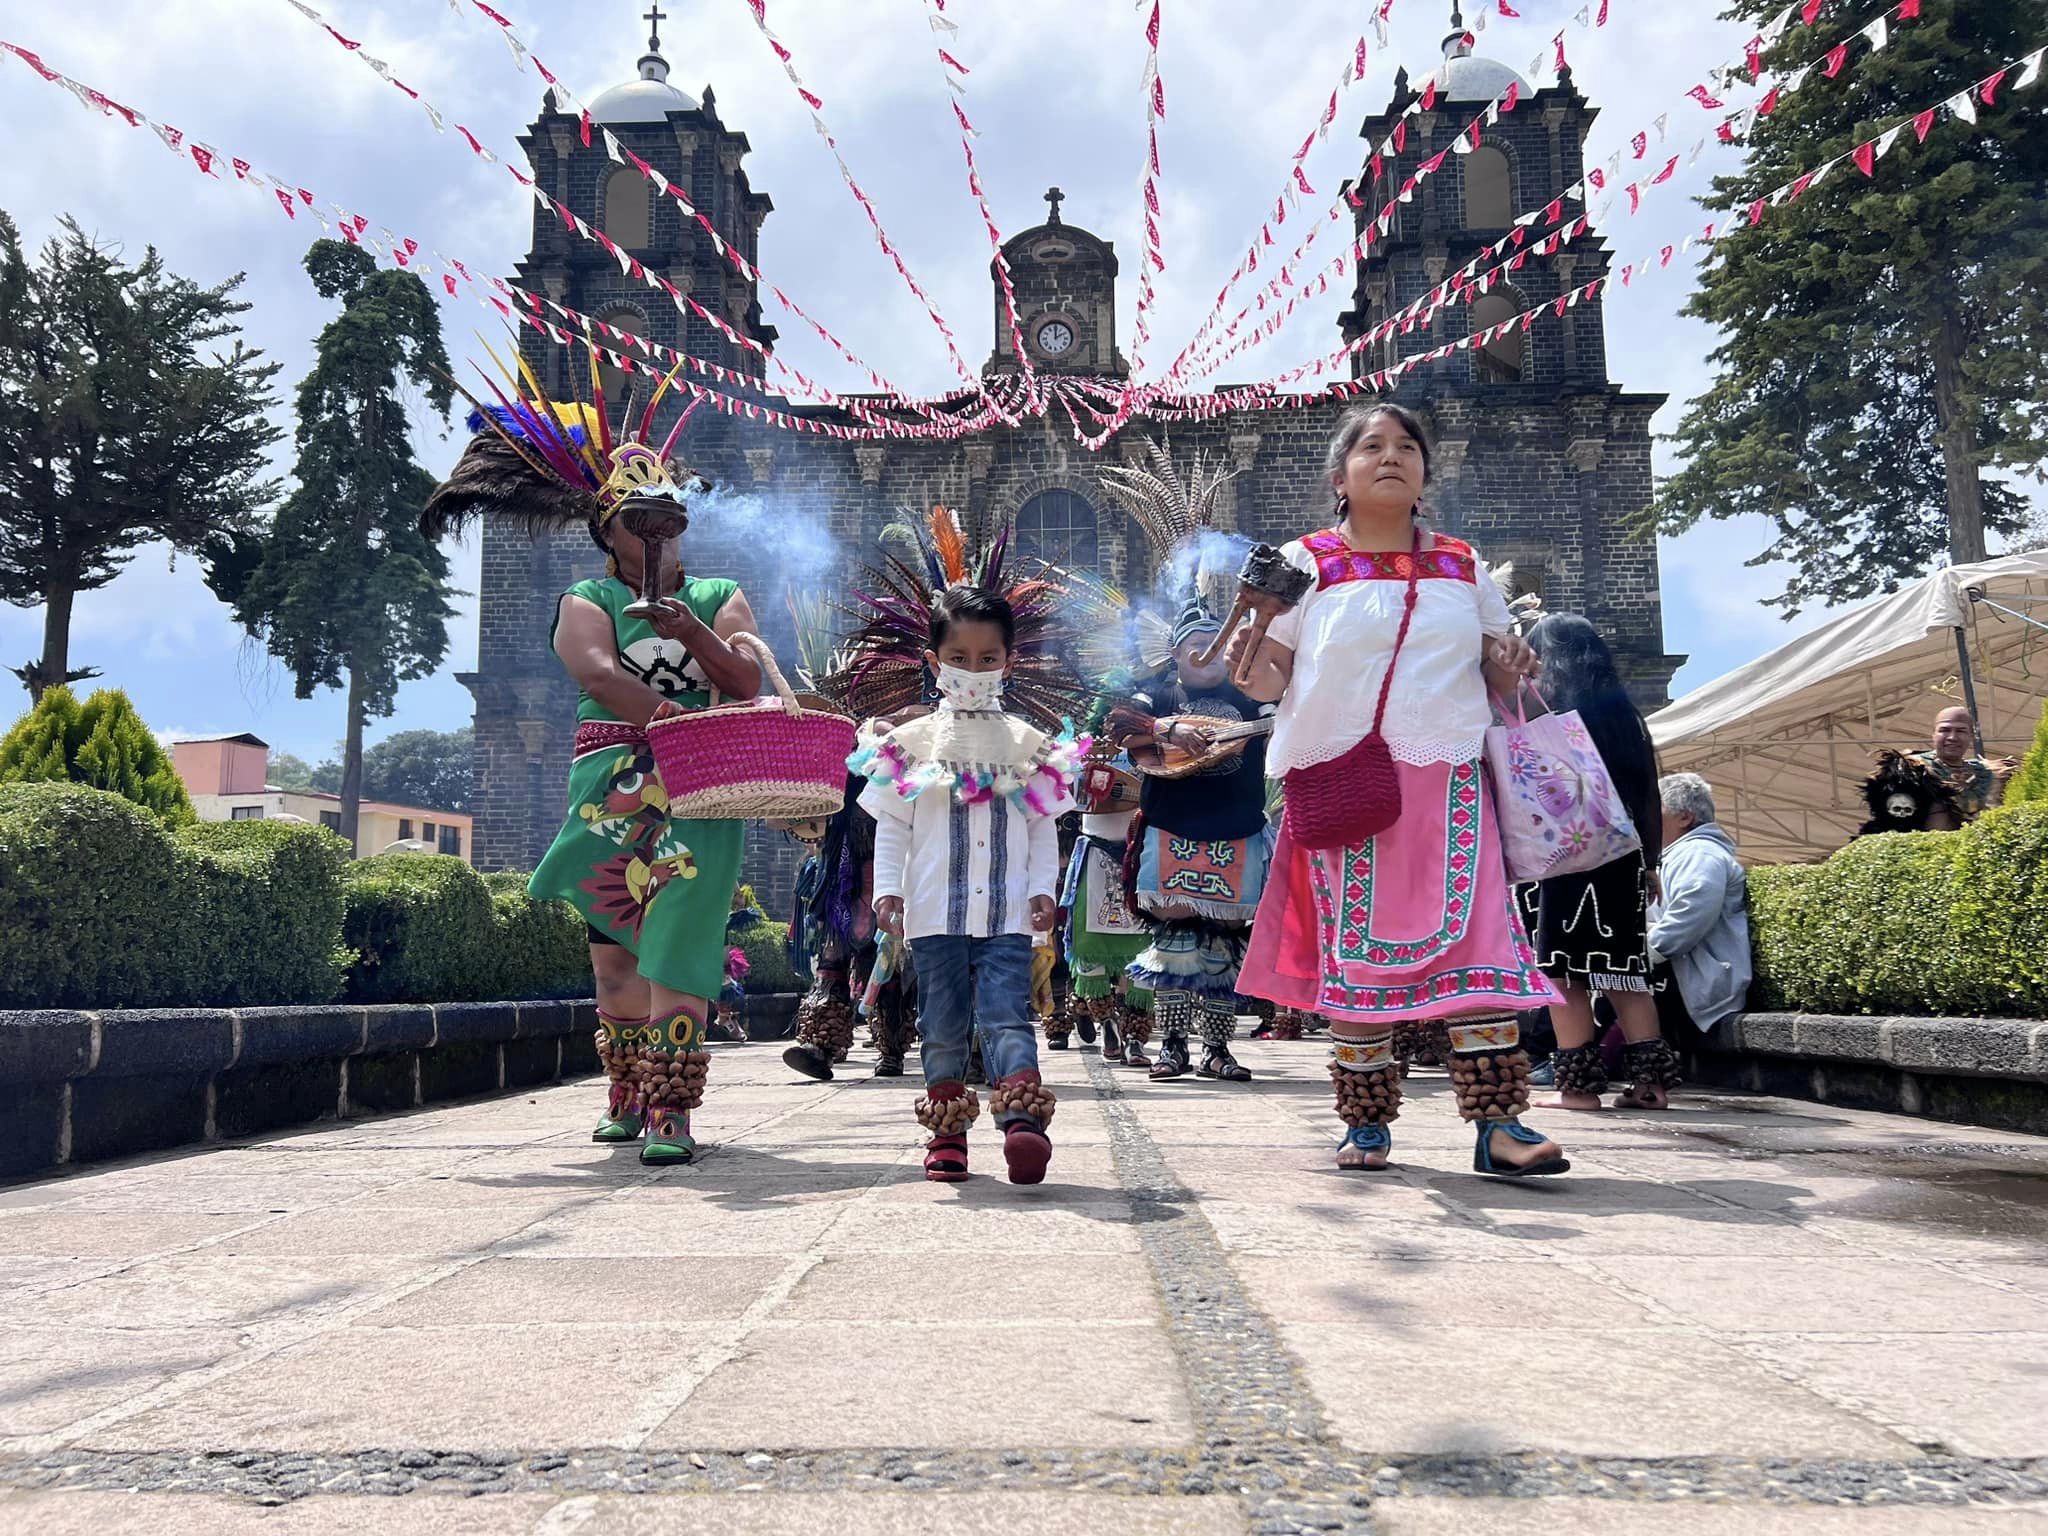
[[970, 690]]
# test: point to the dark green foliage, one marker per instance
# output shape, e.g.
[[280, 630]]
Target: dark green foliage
[[347, 590], [765, 944], [421, 927], [1885, 338], [88, 892], [2030, 785], [539, 949], [1911, 922], [423, 768], [122, 421], [102, 743], [289, 772], [261, 913]]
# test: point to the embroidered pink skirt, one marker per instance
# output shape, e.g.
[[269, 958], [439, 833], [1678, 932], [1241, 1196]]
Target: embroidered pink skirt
[[1418, 923]]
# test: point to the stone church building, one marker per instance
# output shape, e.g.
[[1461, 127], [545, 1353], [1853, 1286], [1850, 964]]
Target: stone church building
[[1540, 458]]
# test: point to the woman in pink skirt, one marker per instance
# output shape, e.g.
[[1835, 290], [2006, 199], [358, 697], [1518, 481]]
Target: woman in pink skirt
[[1417, 922]]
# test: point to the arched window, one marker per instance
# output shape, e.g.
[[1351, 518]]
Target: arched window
[[618, 384], [1489, 191], [628, 209], [1499, 361], [1058, 526]]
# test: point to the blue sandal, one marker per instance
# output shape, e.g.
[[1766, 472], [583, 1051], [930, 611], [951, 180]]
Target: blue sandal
[[1482, 1153], [1367, 1139]]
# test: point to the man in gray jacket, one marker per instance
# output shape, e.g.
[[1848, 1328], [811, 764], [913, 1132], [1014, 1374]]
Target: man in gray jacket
[[1699, 927]]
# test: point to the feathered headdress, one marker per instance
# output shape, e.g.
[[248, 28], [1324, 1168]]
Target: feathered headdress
[[546, 465], [1177, 512], [883, 672]]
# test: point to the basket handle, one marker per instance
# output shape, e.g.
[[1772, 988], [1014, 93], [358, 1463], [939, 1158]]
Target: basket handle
[[754, 646]]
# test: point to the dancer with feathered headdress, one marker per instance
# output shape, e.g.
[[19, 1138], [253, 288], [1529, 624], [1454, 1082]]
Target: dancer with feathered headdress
[[1198, 850], [643, 641]]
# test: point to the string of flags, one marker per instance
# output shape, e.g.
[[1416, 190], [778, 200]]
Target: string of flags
[[759, 10], [628, 265], [954, 73], [1153, 90], [1514, 248]]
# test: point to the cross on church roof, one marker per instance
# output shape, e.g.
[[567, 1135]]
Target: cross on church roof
[[654, 16], [1055, 196]]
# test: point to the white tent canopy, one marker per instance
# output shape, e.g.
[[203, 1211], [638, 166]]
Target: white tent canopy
[[1786, 741]]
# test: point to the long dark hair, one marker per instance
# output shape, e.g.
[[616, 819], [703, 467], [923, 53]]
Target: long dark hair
[[1579, 674]]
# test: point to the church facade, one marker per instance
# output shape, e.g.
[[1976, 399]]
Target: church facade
[[1540, 459]]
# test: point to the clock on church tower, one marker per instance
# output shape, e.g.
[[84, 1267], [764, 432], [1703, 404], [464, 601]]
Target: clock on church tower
[[1065, 282]]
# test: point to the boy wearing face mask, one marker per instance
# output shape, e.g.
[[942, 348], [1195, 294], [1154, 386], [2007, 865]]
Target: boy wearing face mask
[[966, 802]]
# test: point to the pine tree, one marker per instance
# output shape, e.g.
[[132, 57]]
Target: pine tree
[[2029, 786], [121, 422], [103, 743], [347, 591], [1886, 336]]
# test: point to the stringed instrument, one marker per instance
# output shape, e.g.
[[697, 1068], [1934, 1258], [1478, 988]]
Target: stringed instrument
[[1155, 757]]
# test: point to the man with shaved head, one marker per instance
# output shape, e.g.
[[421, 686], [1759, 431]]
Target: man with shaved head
[[1974, 783]]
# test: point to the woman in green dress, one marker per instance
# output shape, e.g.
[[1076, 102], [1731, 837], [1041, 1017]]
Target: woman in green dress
[[654, 889]]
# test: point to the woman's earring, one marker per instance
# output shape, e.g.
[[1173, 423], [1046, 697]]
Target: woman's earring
[[1343, 506]]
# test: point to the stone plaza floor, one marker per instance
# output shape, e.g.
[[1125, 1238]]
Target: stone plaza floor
[[1744, 1317]]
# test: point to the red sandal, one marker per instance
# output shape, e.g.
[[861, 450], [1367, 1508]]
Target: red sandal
[[945, 1159], [1027, 1150]]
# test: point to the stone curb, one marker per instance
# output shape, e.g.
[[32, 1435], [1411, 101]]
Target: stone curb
[[79, 1087]]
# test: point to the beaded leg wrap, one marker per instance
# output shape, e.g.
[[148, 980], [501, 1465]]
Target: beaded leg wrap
[[1021, 1093], [947, 1109], [617, 1053], [825, 1023], [1489, 1070], [1579, 1069], [1647, 1064], [1424, 1045], [1175, 1012], [1216, 1021], [1367, 1079], [1135, 1024], [1287, 1024], [672, 1064]]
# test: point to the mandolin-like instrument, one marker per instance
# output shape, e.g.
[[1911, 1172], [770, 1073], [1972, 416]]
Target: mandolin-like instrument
[[1155, 757]]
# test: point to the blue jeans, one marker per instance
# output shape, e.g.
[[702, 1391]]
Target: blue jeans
[[975, 985]]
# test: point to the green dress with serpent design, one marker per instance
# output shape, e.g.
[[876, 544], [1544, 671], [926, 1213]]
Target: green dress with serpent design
[[658, 885]]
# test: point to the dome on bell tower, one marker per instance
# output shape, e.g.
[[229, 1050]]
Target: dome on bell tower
[[650, 98], [1467, 77]]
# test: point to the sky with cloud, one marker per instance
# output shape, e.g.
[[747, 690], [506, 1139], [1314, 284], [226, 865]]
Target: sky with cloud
[[1053, 91]]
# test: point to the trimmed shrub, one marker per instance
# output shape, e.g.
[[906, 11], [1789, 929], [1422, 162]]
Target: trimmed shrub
[[102, 743], [420, 927], [1911, 923], [262, 912], [538, 948], [765, 944], [90, 900], [2029, 785]]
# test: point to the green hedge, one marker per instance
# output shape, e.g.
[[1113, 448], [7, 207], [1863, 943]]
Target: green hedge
[[1911, 923], [766, 945], [102, 906]]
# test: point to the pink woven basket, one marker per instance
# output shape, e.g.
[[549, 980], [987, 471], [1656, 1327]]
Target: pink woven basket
[[769, 758]]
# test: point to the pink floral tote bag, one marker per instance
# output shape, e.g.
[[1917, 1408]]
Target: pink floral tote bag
[[1559, 811]]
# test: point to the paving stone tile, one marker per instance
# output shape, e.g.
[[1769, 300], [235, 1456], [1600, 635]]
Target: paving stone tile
[[454, 1389], [917, 1514], [504, 1293], [345, 1231], [1825, 1295], [220, 1290], [1459, 1389], [628, 1229], [50, 1378], [1983, 1395], [1619, 1517], [798, 1385], [68, 1233], [1400, 1295], [78, 1513], [942, 1288], [991, 1219]]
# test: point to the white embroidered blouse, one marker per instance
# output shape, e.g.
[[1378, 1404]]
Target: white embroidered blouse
[[1343, 631]]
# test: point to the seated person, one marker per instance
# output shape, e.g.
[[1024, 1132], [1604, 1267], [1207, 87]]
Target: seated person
[[1975, 784], [1699, 925]]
